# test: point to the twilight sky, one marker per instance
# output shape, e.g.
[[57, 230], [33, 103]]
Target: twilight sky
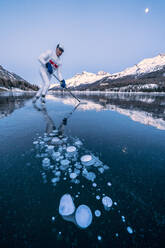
[[97, 34]]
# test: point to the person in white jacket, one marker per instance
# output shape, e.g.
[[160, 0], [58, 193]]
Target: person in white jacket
[[50, 62]]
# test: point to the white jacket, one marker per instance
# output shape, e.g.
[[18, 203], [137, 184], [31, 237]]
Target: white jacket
[[50, 56]]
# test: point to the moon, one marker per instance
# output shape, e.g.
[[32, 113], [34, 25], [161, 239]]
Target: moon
[[146, 10]]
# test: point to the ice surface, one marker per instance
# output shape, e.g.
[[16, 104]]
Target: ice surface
[[44, 155], [46, 163], [43, 175], [60, 149], [83, 216], [94, 184], [78, 143], [55, 155], [77, 171], [123, 218], [52, 134], [46, 139], [89, 175], [107, 202], [129, 230], [87, 160], [64, 139], [99, 237], [55, 131], [50, 149], [97, 162], [35, 142], [101, 169], [106, 167], [76, 181], [53, 218], [73, 175], [78, 165], [66, 206], [64, 164], [71, 149], [55, 141], [58, 173], [55, 180], [97, 213]]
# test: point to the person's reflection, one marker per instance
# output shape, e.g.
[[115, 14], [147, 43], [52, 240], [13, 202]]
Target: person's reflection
[[50, 126]]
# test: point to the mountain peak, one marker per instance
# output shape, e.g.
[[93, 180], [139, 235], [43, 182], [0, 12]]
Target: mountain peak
[[10, 80], [147, 65]]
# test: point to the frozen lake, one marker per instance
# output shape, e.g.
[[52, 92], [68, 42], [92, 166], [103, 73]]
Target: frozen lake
[[107, 154]]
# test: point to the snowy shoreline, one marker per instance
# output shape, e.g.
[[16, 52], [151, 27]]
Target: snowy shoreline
[[17, 90], [85, 92], [109, 92]]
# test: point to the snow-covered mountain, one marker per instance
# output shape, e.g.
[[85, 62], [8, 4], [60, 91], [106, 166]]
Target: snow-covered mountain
[[9, 80], [145, 66], [148, 74], [6, 75], [103, 80], [84, 78]]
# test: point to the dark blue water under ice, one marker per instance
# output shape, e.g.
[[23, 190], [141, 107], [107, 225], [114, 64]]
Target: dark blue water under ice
[[125, 135]]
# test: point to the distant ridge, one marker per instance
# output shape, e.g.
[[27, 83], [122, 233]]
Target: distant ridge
[[148, 75], [9, 80]]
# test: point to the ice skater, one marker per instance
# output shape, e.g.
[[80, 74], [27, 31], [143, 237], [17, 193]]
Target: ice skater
[[50, 62]]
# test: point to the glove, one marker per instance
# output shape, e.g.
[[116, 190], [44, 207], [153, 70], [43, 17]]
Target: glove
[[49, 67], [63, 84]]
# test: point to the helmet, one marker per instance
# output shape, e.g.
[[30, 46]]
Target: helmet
[[61, 47]]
